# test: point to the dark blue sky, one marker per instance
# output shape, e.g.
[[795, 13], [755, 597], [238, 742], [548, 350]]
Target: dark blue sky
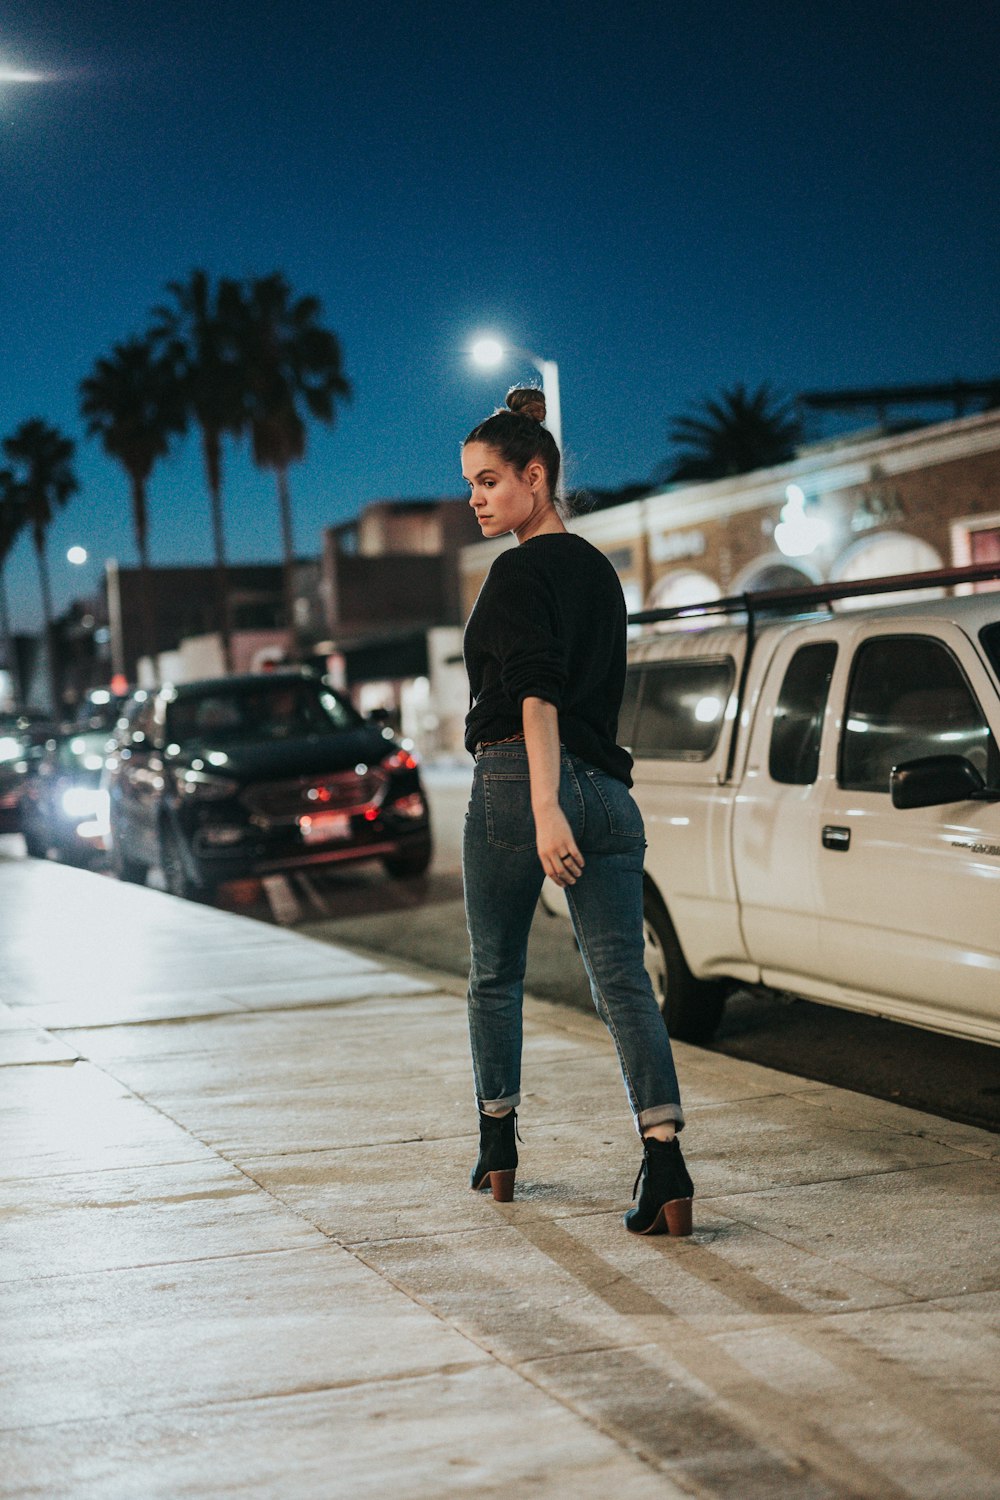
[[665, 198]]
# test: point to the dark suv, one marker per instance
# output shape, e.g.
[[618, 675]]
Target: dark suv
[[241, 776]]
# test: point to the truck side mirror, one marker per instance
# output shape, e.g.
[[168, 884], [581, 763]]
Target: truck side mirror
[[934, 780]]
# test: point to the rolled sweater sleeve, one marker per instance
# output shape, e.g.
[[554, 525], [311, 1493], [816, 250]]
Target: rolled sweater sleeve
[[530, 646]]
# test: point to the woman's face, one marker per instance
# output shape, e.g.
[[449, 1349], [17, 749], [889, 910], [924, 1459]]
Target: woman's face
[[505, 498]]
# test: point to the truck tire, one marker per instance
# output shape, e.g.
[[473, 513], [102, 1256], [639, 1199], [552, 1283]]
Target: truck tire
[[692, 1008]]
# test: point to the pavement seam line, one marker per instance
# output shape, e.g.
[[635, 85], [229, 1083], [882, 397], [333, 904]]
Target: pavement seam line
[[830, 1468], [453, 1368]]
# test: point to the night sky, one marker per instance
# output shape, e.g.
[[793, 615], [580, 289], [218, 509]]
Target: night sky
[[664, 197]]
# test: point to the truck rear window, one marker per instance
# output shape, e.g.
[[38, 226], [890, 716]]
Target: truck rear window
[[680, 708], [798, 714]]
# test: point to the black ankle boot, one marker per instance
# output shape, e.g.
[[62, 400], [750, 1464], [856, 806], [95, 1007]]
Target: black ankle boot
[[664, 1205], [497, 1156]]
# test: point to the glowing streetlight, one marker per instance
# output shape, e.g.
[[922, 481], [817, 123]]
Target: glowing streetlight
[[797, 533], [488, 352], [77, 556]]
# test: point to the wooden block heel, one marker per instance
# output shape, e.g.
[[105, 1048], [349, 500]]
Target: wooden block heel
[[502, 1186], [673, 1218], [679, 1217]]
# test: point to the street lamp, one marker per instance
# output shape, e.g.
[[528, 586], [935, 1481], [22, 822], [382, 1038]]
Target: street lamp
[[77, 556], [488, 352], [798, 533]]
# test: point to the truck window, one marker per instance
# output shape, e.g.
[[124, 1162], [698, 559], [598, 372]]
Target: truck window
[[908, 698], [798, 716], [682, 709]]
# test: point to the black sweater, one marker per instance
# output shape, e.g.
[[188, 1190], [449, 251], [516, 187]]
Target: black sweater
[[550, 623]]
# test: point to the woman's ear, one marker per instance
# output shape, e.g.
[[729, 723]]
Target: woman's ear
[[535, 473]]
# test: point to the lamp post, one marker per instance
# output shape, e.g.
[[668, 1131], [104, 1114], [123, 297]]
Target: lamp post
[[488, 352]]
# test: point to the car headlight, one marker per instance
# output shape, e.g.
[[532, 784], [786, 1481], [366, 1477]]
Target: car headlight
[[10, 748], [85, 802], [208, 788]]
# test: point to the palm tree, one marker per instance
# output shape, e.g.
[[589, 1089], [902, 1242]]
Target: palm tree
[[292, 371], [735, 433], [131, 402], [41, 460], [198, 337], [11, 521]]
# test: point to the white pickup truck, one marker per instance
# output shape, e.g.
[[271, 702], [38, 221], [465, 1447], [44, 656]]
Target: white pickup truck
[[821, 793]]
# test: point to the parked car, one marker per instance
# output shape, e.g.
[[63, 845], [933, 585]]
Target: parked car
[[243, 776], [821, 797], [63, 805], [22, 745]]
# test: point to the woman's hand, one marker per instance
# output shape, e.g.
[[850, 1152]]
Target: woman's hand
[[557, 850]]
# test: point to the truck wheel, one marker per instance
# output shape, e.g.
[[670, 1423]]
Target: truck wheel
[[692, 1008]]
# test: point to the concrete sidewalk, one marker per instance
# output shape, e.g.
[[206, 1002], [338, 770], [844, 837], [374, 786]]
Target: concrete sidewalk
[[239, 1256]]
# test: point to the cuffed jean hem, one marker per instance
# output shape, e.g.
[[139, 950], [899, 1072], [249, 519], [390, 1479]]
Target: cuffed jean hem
[[660, 1114], [499, 1106]]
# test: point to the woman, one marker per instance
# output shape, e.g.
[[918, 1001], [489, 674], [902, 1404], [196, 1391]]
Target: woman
[[545, 653]]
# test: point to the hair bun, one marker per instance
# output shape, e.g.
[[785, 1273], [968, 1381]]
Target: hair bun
[[527, 401]]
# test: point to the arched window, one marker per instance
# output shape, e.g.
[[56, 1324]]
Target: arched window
[[774, 572], [889, 553], [680, 587]]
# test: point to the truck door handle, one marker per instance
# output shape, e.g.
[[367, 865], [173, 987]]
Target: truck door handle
[[836, 838]]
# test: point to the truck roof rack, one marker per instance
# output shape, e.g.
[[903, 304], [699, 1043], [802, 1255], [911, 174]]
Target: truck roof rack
[[816, 595]]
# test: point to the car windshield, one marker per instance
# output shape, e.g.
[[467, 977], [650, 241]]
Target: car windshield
[[273, 710]]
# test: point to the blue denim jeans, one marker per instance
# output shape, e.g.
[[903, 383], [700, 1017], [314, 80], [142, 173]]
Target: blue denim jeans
[[503, 877]]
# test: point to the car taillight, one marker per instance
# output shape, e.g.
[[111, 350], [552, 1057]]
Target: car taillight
[[402, 760], [410, 806]]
